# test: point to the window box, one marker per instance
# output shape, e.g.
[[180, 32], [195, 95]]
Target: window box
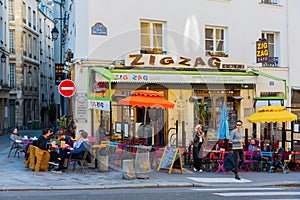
[[218, 54]]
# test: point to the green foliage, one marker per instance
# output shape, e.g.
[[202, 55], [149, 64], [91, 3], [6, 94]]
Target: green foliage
[[62, 121], [203, 113]]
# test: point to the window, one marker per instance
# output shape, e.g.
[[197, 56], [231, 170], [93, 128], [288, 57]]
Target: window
[[11, 10], [12, 41], [270, 37], [25, 43], [29, 16], [34, 48], [34, 20], [214, 40], [30, 46], [12, 75], [24, 12], [152, 37]]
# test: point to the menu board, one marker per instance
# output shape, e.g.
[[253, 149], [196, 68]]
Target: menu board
[[168, 158]]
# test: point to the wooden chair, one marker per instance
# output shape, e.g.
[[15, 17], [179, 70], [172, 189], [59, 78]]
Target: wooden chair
[[38, 159]]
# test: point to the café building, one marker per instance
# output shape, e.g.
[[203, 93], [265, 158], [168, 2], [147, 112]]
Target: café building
[[198, 88]]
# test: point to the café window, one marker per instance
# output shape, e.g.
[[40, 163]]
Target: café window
[[215, 41], [152, 37]]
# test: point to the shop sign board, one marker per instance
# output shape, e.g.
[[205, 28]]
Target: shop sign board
[[185, 78], [157, 60], [99, 105], [262, 51], [59, 73]]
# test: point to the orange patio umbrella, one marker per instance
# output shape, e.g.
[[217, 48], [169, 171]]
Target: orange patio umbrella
[[146, 98]]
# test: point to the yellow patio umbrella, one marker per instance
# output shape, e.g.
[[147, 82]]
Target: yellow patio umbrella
[[272, 114]]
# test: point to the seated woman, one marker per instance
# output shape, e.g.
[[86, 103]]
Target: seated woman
[[253, 148], [77, 151], [266, 147], [15, 136]]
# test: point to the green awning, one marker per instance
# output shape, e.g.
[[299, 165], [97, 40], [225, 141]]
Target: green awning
[[274, 78], [105, 73]]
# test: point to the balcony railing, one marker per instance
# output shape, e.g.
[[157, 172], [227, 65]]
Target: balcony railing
[[273, 62]]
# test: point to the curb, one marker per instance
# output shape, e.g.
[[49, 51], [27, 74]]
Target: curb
[[105, 187]]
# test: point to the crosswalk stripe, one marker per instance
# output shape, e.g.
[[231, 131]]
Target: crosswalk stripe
[[247, 194], [236, 189], [218, 180]]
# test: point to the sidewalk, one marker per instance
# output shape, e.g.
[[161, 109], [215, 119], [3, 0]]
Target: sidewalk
[[15, 177]]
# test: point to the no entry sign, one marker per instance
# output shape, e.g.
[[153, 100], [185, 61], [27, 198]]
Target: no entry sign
[[67, 88]]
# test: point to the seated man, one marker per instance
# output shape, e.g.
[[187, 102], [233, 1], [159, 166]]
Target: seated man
[[76, 152], [62, 136]]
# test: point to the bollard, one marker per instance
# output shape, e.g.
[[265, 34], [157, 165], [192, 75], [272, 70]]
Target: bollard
[[103, 163], [128, 169]]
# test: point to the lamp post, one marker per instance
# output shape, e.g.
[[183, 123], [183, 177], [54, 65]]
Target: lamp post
[[3, 60], [55, 35]]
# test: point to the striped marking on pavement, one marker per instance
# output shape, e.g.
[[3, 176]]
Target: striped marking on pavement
[[236, 189], [249, 194], [218, 180]]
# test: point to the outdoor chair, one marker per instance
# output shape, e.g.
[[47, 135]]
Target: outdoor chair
[[15, 148], [266, 160], [80, 161], [220, 162], [249, 159], [287, 157]]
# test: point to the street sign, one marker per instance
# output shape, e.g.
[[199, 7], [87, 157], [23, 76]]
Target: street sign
[[67, 88]]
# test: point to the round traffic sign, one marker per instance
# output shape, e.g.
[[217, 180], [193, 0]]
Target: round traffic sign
[[67, 88]]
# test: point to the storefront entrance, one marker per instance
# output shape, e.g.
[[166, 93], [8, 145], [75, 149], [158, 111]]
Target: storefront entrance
[[212, 101]]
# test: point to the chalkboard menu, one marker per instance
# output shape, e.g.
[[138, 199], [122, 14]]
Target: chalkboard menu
[[168, 158]]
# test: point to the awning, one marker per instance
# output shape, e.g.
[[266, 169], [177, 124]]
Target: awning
[[237, 98], [105, 73], [195, 98], [183, 77], [295, 87]]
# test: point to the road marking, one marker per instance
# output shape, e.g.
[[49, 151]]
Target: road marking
[[67, 88], [247, 194], [236, 189], [219, 180]]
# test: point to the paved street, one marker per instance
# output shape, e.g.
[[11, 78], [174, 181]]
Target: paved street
[[15, 177]]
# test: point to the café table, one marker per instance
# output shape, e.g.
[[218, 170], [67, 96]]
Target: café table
[[96, 149]]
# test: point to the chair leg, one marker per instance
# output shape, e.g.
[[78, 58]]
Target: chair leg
[[9, 152]]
